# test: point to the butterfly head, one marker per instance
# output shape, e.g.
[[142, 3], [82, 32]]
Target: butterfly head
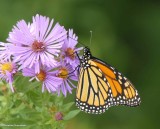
[[86, 56], [86, 53]]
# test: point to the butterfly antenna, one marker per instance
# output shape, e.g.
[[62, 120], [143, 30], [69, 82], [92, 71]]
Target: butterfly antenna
[[90, 38]]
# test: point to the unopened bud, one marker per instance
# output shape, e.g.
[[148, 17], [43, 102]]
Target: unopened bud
[[59, 116]]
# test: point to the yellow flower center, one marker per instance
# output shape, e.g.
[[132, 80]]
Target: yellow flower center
[[70, 53], [6, 67], [38, 46], [63, 73], [41, 76]]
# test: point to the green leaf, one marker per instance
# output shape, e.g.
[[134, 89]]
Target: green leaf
[[23, 84], [34, 85], [71, 114], [35, 97], [59, 100], [17, 109], [66, 107]]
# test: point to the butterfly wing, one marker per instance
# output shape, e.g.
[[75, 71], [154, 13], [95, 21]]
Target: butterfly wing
[[93, 93], [123, 91], [101, 86]]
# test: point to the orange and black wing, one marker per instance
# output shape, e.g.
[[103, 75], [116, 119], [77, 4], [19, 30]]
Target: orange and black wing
[[92, 90], [123, 91], [101, 86]]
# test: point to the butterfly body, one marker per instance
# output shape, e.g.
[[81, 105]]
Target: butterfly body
[[101, 86]]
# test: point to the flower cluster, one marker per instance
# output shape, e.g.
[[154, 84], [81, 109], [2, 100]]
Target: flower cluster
[[41, 51]]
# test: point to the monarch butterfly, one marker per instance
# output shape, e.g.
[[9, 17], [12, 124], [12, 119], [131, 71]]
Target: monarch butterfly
[[101, 86]]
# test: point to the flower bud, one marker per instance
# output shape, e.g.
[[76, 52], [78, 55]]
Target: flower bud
[[58, 116]]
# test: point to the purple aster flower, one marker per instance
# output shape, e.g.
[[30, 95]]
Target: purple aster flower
[[46, 76], [69, 49], [4, 51], [37, 42], [67, 73], [7, 70]]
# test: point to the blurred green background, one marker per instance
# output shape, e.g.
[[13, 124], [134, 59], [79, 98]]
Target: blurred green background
[[126, 34]]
